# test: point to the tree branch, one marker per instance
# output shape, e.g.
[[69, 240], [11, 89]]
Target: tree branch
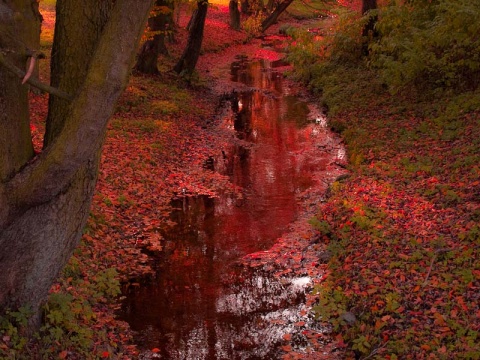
[[32, 81]]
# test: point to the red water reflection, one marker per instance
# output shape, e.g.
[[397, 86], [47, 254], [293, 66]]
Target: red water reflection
[[202, 305]]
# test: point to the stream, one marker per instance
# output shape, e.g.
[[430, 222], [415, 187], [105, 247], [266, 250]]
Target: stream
[[203, 303]]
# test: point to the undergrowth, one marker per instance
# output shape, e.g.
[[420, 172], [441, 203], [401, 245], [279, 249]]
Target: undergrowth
[[73, 325], [403, 228]]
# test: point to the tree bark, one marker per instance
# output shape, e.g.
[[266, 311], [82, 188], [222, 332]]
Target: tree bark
[[90, 16], [234, 14], [191, 20], [44, 206], [19, 34], [161, 23], [273, 17], [190, 56]]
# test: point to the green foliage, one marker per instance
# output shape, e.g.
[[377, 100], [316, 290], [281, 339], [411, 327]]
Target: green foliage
[[429, 45], [320, 225], [332, 303], [330, 62], [253, 24], [64, 318], [13, 339], [68, 319], [361, 344], [338, 45], [163, 107], [303, 53], [311, 9]]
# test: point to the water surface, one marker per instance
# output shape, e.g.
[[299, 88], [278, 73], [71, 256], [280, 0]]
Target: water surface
[[202, 303]]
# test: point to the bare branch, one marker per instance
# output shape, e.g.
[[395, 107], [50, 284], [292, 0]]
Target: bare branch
[[32, 81], [30, 70]]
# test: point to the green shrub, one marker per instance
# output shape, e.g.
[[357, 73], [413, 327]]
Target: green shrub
[[430, 45], [69, 320], [341, 44], [13, 341]]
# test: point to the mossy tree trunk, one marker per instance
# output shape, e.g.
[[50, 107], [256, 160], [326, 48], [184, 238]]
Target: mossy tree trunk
[[72, 53], [44, 201], [161, 24], [190, 56]]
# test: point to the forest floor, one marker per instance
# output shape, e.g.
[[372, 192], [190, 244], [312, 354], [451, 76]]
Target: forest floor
[[402, 228]]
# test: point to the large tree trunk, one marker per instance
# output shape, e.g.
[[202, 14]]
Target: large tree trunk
[[273, 17], [161, 23], [44, 205], [192, 51], [234, 14]]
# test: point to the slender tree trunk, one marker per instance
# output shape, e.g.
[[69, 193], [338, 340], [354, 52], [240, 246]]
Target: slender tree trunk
[[148, 56], [161, 23], [191, 20], [190, 56], [368, 5], [45, 204], [273, 17], [234, 14], [369, 31]]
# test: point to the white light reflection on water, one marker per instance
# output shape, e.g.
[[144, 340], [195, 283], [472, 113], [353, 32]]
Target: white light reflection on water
[[269, 304], [261, 292]]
